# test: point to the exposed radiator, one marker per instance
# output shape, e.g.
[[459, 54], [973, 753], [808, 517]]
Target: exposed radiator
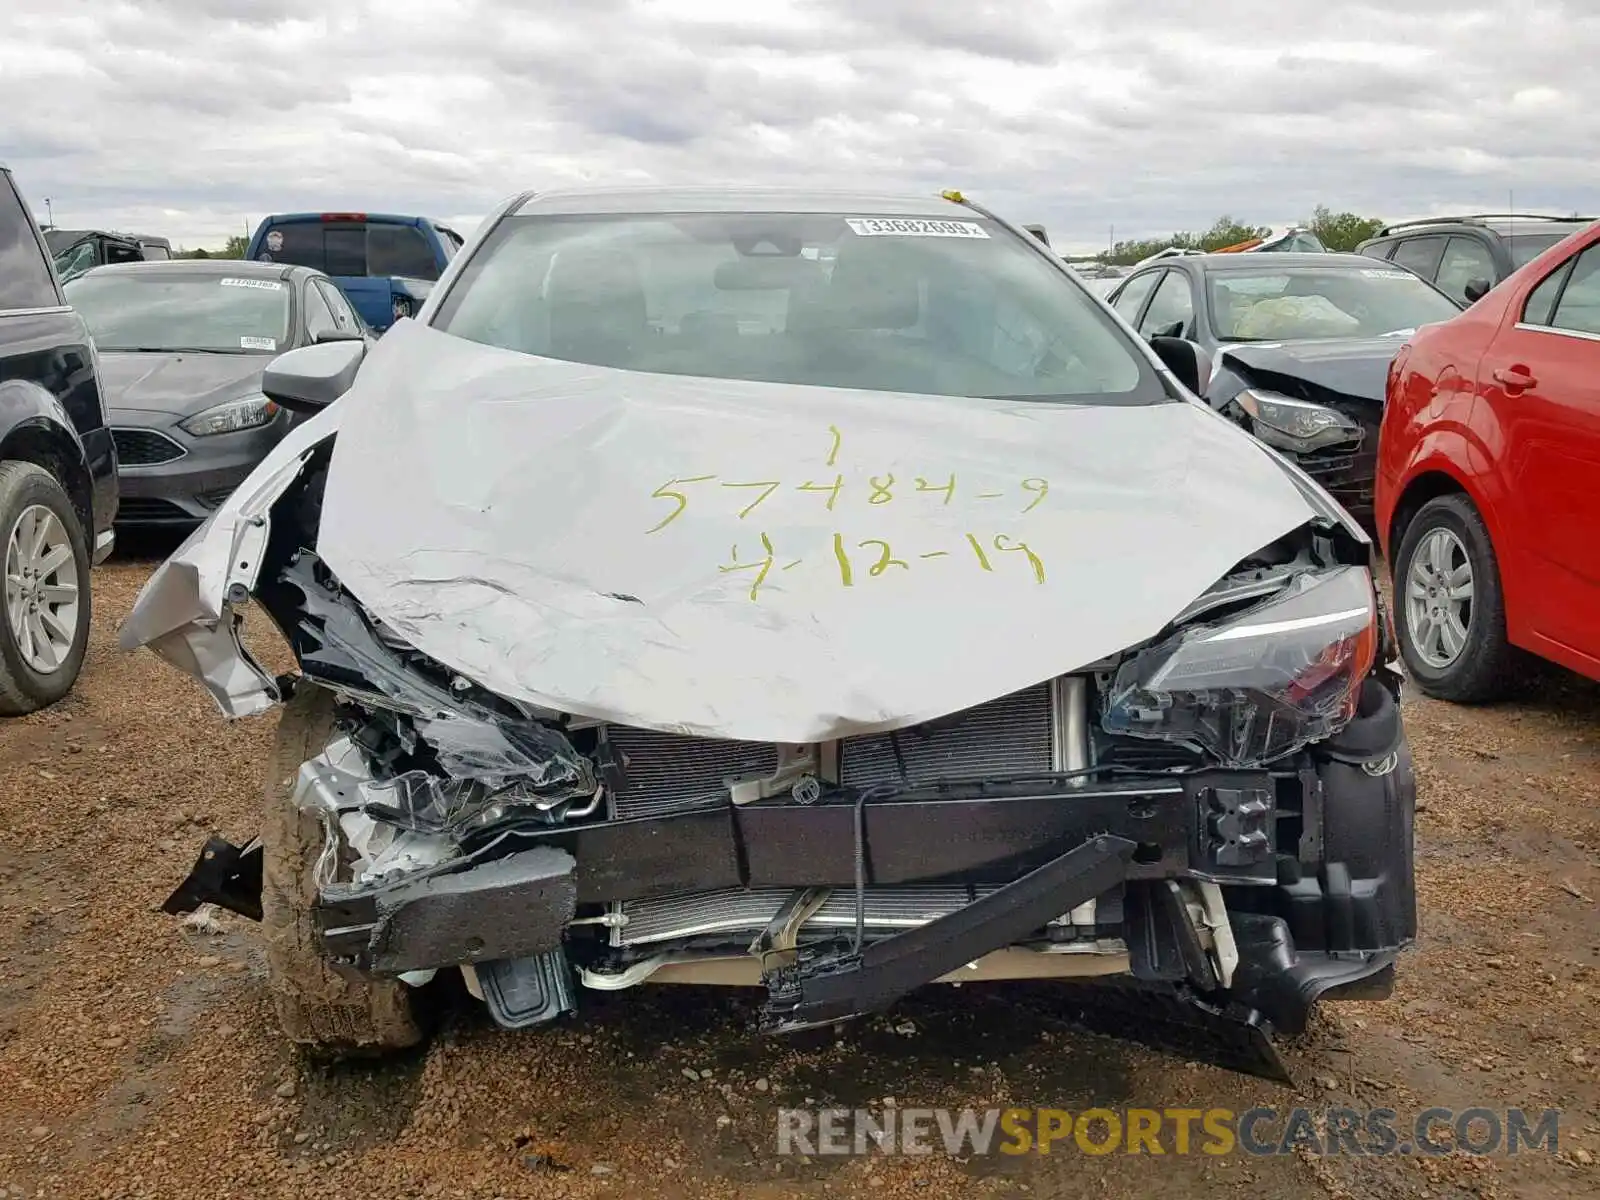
[[669, 772], [1027, 732], [1009, 736]]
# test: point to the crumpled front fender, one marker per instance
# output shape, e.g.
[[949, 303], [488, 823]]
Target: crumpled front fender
[[187, 610]]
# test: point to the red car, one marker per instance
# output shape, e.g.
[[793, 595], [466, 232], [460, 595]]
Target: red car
[[1488, 481]]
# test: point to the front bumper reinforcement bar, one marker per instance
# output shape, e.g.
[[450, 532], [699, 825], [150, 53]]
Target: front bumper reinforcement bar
[[834, 985]]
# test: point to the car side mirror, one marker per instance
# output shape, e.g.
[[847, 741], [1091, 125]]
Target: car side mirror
[[1477, 289], [309, 379], [1185, 359]]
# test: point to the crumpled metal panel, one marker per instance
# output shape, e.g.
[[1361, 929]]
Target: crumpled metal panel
[[514, 518]]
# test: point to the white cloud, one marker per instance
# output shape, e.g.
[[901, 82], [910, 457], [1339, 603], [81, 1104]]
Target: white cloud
[[194, 117]]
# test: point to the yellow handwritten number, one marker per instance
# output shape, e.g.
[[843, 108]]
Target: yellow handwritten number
[[948, 489], [977, 548], [831, 489], [833, 451], [1000, 543], [881, 493], [846, 575], [885, 558], [665, 492], [760, 568], [1040, 488], [769, 486]]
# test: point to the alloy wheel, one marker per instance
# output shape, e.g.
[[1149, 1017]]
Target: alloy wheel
[[41, 589]]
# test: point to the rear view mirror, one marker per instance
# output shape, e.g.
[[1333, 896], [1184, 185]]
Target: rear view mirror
[[1477, 289], [1186, 360], [309, 379]]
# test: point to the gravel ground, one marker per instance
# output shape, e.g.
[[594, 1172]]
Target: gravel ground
[[138, 1057]]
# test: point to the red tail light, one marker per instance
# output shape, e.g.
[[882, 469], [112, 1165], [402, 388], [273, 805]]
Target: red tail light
[[344, 216]]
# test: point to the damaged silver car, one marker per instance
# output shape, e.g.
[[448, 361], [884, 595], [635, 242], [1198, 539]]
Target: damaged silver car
[[820, 593]]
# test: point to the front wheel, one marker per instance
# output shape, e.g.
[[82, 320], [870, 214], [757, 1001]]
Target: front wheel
[[45, 632], [318, 1008], [1452, 626]]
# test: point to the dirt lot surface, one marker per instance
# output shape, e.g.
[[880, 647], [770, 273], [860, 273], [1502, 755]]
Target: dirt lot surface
[[138, 1058]]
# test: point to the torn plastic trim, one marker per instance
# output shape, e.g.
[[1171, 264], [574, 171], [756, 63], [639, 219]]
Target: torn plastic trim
[[495, 767], [186, 613]]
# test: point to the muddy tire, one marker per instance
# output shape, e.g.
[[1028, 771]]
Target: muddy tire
[[329, 1014]]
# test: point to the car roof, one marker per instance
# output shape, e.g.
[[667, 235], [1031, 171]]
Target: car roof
[[655, 199], [351, 213], [1267, 260], [235, 267], [1506, 225]]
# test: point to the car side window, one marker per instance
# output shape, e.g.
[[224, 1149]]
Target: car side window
[[25, 279], [1133, 295], [343, 315], [1578, 308], [1465, 259], [319, 320], [400, 250], [1173, 306], [1380, 250], [1420, 254], [1541, 303]]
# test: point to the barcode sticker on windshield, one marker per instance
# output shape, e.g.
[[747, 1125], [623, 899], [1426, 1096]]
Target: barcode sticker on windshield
[[271, 285], [914, 227], [258, 343], [1385, 273]]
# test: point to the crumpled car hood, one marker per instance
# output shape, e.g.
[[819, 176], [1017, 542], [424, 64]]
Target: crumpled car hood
[[671, 552], [1355, 367]]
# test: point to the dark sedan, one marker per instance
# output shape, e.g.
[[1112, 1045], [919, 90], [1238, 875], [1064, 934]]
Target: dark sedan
[[1294, 347], [182, 346]]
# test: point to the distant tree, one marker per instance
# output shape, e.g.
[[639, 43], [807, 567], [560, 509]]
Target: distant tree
[[1225, 231], [1342, 230], [234, 248]]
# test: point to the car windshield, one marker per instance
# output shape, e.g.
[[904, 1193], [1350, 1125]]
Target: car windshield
[[1298, 303], [149, 310], [957, 307]]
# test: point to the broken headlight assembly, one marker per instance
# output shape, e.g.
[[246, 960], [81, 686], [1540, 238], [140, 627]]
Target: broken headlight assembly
[[1295, 425], [1262, 685]]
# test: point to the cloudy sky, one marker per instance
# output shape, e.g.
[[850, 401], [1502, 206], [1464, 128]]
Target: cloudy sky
[[194, 118]]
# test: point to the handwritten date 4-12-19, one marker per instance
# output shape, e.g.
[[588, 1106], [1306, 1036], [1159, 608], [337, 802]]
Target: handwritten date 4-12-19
[[871, 557]]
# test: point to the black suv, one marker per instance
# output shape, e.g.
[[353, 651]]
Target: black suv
[[58, 469], [1466, 256]]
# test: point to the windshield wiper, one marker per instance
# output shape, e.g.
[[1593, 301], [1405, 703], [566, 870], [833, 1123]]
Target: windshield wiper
[[174, 350]]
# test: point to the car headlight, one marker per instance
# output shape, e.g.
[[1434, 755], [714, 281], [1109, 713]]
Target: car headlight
[[1253, 689], [247, 412], [1297, 425]]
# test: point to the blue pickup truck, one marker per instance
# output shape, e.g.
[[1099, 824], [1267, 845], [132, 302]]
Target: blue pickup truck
[[385, 264]]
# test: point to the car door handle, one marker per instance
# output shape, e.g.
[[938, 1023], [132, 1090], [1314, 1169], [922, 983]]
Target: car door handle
[[1514, 378]]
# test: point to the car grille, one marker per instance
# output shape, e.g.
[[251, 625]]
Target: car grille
[[144, 447], [145, 509]]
